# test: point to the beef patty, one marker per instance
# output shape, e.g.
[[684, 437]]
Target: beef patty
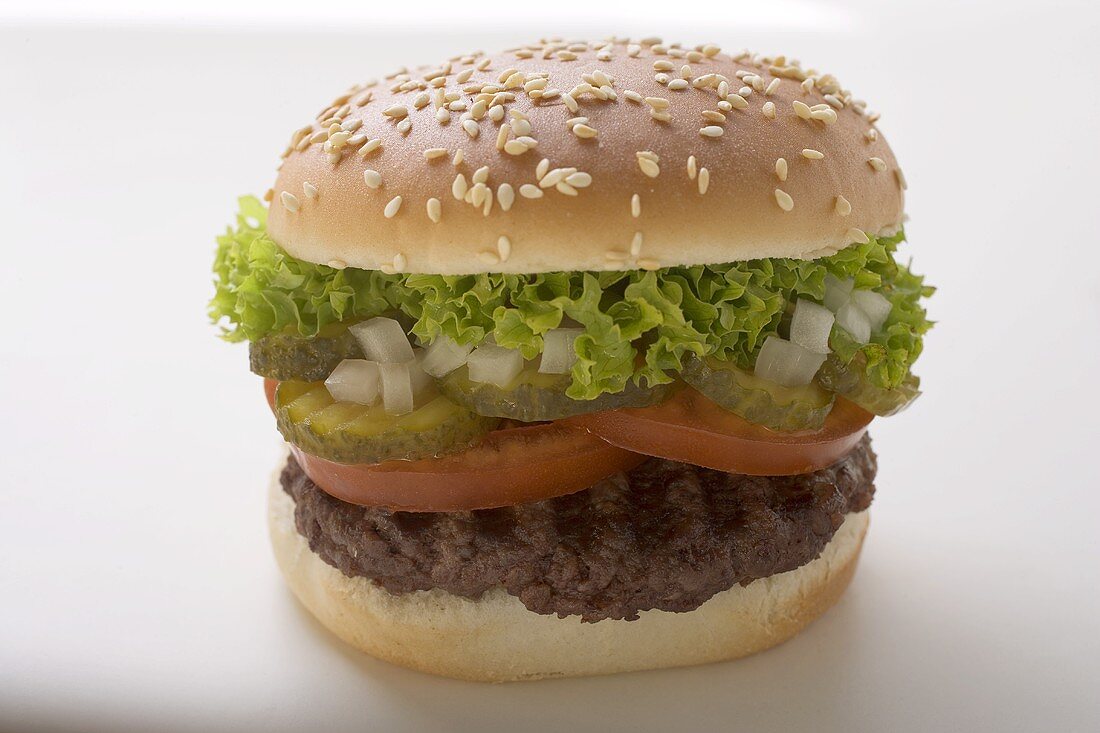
[[666, 535]]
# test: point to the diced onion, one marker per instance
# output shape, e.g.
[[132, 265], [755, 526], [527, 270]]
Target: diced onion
[[874, 305], [444, 356], [837, 292], [811, 325], [494, 364], [557, 350], [787, 363], [397, 388], [383, 340], [853, 320], [354, 380]]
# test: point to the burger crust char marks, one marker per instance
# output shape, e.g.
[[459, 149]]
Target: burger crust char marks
[[575, 347]]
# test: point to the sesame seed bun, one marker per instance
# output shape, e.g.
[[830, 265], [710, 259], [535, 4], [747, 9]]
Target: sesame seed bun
[[496, 639], [793, 168]]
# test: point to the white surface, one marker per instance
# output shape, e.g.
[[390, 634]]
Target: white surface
[[137, 591]]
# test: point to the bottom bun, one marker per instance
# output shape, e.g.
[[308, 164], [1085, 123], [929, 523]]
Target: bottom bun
[[496, 639]]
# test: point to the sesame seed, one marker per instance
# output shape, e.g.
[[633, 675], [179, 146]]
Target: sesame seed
[[435, 210], [737, 101], [648, 166], [441, 116], [802, 109], [808, 84], [657, 102], [405, 125], [784, 199], [309, 190], [635, 206], [372, 178], [489, 258], [459, 157], [858, 236], [636, 244], [842, 207], [663, 65], [812, 154], [433, 153], [481, 175], [506, 195], [871, 135], [691, 166], [392, 207], [337, 264], [515, 147], [711, 131], [504, 248], [781, 169], [570, 103], [769, 110], [678, 85], [649, 264], [877, 163], [900, 178], [459, 187], [422, 100], [584, 131], [290, 201], [471, 128], [633, 96], [704, 180], [772, 86], [542, 168], [496, 114], [554, 177], [661, 78], [529, 191], [399, 262], [685, 72], [464, 76], [711, 115], [396, 111], [580, 179]]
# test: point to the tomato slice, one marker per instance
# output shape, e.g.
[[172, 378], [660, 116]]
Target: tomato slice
[[689, 428], [510, 466]]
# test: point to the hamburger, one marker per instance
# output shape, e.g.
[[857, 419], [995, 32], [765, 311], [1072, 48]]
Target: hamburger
[[574, 348]]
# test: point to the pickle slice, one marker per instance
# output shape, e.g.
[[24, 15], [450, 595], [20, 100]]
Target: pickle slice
[[290, 357], [534, 397], [851, 382], [346, 432], [758, 400]]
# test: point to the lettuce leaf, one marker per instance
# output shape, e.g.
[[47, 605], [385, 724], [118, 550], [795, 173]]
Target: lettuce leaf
[[638, 325]]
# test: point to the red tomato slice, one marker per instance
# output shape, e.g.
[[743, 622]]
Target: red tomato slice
[[510, 466], [690, 428]]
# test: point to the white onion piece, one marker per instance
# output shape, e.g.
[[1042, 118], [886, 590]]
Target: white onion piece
[[853, 320], [444, 356], [354, 380], [422, 382], [787, 363], [397, 388], [383, 340], [874, 305], [811, 325], [837, 292], [494, 364], [558, 354]]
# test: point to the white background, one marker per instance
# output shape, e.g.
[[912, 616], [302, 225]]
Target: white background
[[137, 591]]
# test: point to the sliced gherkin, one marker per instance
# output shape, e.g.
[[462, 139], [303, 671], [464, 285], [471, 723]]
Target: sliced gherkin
[[290, 357], [534, 397], [347, 432], [851, 381], [758, 400]]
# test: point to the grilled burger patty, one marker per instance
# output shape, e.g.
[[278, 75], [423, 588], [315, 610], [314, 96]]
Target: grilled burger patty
[[666, 535]]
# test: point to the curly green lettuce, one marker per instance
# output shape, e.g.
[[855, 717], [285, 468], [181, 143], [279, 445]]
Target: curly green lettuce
[[639, 325]]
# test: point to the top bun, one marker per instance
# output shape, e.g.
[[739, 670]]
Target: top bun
[[586, 156]]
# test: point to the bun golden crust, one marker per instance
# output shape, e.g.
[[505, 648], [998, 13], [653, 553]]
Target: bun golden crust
[[394, 207], [496, 639]]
